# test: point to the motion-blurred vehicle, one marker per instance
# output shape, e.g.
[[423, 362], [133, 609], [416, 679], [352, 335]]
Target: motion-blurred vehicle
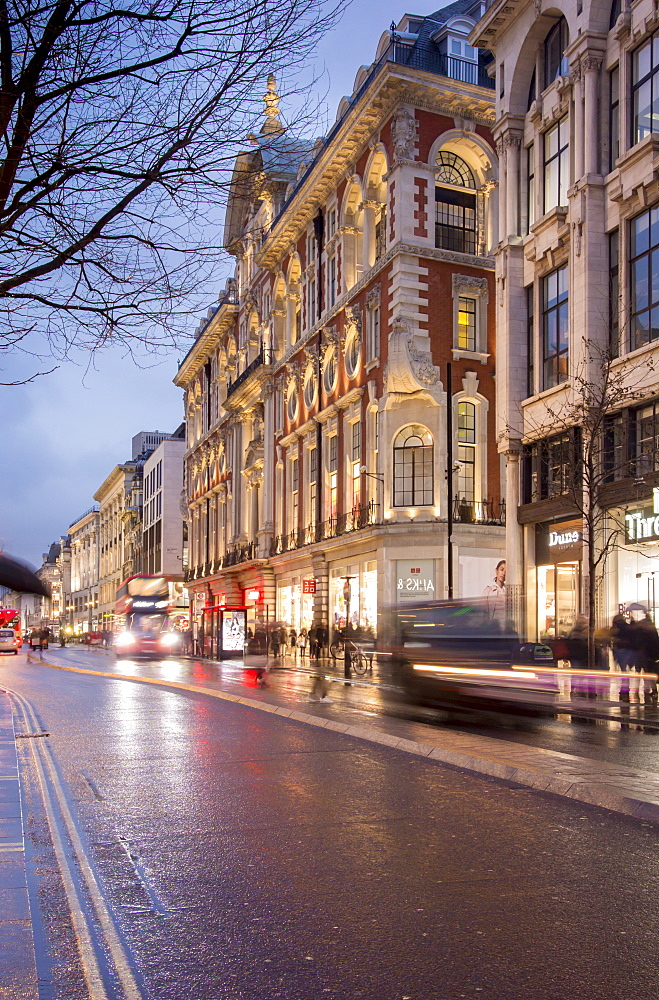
[[10, 618], [10, 640], [453, 654], [143, 609]]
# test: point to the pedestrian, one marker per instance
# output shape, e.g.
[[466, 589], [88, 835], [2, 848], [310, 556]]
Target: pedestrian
[[62, 638], [275, 641], [577, 644], [302, 641], [313, 643], [292, 640], [622, 641], [322, 635], [646, 645]]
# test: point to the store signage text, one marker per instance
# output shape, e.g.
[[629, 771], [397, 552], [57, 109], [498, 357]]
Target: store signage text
[[416, 584], [564, 538], [144, 605], [641, 525]]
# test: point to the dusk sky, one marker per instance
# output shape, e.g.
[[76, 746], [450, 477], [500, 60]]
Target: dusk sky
[[65, 432]]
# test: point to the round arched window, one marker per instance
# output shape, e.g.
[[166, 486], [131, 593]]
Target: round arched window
[[452, 169], [310, 386], [292, 401], [413, 467], [329, 371], [353, 353]]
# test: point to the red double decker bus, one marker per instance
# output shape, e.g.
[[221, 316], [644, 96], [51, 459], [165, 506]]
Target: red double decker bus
[[143, 625], [10, 621]]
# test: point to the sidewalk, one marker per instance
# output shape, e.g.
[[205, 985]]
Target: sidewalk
[[18, 977], [630, 791]]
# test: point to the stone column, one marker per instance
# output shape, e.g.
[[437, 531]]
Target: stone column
[[514, 548], [502, 218], [492, 210], [591, 67], [512, 142], [369, 233], [577, 93]]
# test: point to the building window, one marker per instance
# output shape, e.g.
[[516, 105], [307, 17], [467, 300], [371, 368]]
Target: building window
[[333, 475], [455, 210], [413, 467], [310, 385], [466, 451], [644, 294], [292, 402], [614, 116], [466, 323], [295, 494], [355, 463], [530, 341], [646, 450], [331, 281], [614, 291], [645, 88], [313, 483], [311, 301], [353, 352], [555, 328], [381, 234], [556, 146], [330, 371], [556, 42], [373, 324], [552, 467], [530, 186], [331, 223]]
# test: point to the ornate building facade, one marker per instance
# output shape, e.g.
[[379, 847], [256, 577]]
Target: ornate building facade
[[327, 450], [577, 270]]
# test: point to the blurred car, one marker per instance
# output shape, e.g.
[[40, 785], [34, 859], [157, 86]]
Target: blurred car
[[454, 654], [10, 641]]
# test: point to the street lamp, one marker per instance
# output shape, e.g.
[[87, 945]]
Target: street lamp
[[371, 475], [346, 598]]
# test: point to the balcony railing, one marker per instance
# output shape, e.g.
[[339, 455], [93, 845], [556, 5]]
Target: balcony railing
[[440, 63], [479, 511], [333, 527], [262, 358]]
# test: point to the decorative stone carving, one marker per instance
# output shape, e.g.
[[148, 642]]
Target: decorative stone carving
[[403, 133], [409, 370], [466, 284], [470, 383], [373, 296]]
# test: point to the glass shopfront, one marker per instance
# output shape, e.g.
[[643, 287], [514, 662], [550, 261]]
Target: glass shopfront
[[294, 603], [558, 569], [353, 595]]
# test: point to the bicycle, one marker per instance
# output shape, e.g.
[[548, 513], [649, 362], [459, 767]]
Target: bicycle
[[360, 661]]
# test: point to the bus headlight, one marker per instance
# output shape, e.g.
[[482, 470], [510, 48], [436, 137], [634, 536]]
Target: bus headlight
[[124, 639], [169, 639]]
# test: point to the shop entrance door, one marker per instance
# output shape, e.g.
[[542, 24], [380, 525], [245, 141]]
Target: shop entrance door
[[558, 599]]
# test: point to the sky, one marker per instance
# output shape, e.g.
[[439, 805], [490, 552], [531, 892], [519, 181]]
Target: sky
[[63, 433]]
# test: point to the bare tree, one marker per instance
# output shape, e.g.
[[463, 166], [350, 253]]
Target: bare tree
[[120, 124], [599, 390]]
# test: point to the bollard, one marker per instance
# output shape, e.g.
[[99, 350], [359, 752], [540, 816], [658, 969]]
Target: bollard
[[346, 663]]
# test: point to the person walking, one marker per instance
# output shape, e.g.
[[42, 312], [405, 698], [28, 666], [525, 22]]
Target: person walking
[[577, 644], [292, 641], [302, 641], [313, 643], [646, 644], [322, 635], [622, 641]]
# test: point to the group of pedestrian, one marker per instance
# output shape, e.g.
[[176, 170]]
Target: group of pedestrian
[[635, 644]]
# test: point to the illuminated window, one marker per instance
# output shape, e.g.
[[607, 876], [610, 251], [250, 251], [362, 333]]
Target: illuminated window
[[413, 467], [466, 324]]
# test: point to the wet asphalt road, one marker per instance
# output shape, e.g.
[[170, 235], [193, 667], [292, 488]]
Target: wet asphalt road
[[249, 856]]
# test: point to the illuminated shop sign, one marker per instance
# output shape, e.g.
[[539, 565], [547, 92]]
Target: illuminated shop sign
[[415, 580], [643, 525], [143, 604], [564, 538]]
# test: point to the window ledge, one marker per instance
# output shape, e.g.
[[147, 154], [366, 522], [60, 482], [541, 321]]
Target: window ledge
[[557, 215], [634, 355], [372, 364], [546, 393], [470, 356]]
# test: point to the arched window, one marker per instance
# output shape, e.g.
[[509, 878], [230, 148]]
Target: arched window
[[466, 451], [455, 209], [556, 42], [413, 467]]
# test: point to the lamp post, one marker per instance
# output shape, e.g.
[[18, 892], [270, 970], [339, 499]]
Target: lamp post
[[346, 598], [371, 475]]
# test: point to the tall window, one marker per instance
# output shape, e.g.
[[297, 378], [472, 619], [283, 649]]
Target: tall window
[[331, 281], [372, 330], [381, 234], [455, 209], [530, 341], [556, 42], [413, 467], [355, 463], [466, 323], [555, 328], [552, 467], [466, 450], [557, 164], [647, 440], [530, 186], [614, 116], [295, 494], [645, 88], [614, 290], [644, 278], [311, 301], [313, 483], [334, 472]]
